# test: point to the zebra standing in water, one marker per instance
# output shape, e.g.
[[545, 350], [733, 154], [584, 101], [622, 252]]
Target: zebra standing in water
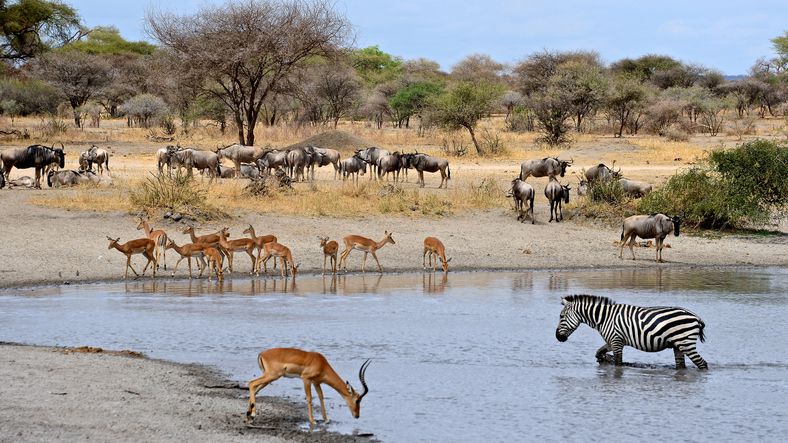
[[649, 329]]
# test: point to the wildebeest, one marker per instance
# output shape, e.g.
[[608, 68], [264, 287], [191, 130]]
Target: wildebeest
[[426, 163], [299, 159], [656, 226], [272, 160], [582, 187], [635, 188], [163, 158], [521, 192], [95, 155], [2, 180], [65, 177], [193, 158], [556, 194], [250, 171], [353, 165], [389, 164], [601, 172], [34, 156], [327, 156], [371, 156], [240, 154], [545, 167]]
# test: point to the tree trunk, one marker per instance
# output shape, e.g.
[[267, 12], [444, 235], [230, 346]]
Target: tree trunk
[[240, 124], [77, 117], [473, 138]]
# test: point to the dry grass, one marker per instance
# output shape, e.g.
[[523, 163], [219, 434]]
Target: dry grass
[[88, 198]]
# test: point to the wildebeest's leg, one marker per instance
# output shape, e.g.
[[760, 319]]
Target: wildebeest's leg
[[660, 242], [679, 358], [632, 238], [560, 210], [421, 178], [600, 353], [551, 211], [688, 349], [38, 177]]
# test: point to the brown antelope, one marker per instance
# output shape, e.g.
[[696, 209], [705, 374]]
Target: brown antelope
[[144, 246], [365, 245], [314, 370], [260, 241], [240, 244], [434, 247], [158, 236], [215, 262], [187, 251], [275, 250], [207, 238], [330, 249]]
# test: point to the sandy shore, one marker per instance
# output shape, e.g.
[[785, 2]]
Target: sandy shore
[[53, 394], [47, 245]]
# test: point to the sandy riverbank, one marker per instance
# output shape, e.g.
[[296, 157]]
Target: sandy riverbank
[[48, 245], [53, 394]]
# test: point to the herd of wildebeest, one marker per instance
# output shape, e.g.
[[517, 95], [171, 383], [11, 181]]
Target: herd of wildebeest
[[299, 163]]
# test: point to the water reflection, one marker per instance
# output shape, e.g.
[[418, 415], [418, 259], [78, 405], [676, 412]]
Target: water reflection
[[434, 283]]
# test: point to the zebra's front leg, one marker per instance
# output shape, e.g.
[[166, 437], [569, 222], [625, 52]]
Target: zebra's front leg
[[680, 364], [617, 346]]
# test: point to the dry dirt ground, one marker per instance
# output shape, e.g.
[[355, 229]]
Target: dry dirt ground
[[52, 394]]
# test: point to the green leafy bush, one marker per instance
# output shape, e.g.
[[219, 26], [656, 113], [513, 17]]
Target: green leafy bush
[[608, 191]]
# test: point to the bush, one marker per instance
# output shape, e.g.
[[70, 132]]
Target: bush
[[697, 196], [32, 96], [756, 172], [521, 120], [492, 143], [676, 135], [607, 191], [178, 193]]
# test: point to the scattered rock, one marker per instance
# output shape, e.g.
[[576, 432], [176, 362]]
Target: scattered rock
[[176, 216]]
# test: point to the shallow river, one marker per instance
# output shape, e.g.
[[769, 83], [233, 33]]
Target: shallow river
[[467, 357]]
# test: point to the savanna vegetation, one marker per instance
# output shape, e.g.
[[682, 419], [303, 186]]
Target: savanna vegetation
[[289, 70]]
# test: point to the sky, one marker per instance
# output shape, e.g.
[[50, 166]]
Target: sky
[[721, 34]]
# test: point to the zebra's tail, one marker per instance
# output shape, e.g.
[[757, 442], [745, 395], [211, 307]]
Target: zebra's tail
[[701, 335], [622, 232]]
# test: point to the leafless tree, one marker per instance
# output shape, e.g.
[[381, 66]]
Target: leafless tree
[[78, 76], [242, 50], [476, 67], [338, 88]]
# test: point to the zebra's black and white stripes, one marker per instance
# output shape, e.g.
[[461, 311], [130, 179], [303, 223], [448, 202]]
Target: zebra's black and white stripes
[[649, 329]]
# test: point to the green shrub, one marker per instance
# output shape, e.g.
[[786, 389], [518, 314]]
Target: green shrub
[[608, 191], [756, 172], [179, 193]]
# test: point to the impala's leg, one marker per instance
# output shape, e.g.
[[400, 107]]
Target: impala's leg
[[334, 263], [680, 364], [364, 264], [324, 263], [434, 260], [255, 385], [376, 261], [322, 404], [230, 259], [176, 265], [284, 262], [600, 353], [251, 257], [424, 259], [189, 260], [129, 266], [308, 391]]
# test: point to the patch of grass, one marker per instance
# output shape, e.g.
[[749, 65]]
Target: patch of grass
[[178, 193], [86, 197]]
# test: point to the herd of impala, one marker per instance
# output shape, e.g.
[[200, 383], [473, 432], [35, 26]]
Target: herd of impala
[[211, 250]]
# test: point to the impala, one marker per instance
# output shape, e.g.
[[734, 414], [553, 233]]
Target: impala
[[187, 251], [240, 244], [260, 241], [158, 236], [365, 245], [434, 247], [144, 246], [314, 370], [207, 238], [330, 249], [274, 249]]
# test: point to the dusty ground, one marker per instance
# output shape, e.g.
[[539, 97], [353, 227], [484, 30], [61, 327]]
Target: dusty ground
[[51, 394]]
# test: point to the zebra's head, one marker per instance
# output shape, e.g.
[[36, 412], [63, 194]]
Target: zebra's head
[[568, 321]]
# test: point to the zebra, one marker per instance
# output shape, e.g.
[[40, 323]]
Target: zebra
[[649, 329]]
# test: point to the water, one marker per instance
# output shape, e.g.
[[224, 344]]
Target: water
[[467, 357]]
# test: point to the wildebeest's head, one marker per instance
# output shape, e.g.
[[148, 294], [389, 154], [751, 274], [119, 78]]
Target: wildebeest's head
[[566, 193], [563, 165], [676, 224]]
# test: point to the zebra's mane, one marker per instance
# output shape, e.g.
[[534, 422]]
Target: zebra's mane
[[596, 299]]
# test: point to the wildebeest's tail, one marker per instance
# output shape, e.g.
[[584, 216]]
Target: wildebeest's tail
[[106, 162], [622, 232], [448, 172], [218, 170], [49, 178]]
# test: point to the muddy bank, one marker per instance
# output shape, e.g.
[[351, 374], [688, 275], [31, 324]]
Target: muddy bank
[[52, 394]]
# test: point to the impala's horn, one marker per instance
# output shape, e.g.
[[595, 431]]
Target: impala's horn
[[361, 373]]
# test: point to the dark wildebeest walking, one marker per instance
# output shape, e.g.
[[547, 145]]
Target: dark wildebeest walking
[[548, 166], [35, 156], [521, 192], [424, 163], [656, 226], [556, 194], [389, 164], [353, 165]]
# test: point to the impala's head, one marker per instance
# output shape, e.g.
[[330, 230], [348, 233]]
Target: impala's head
[[568, 321], [187, 230], [294, 268], [170, 244], [141, 224], [446, 264], [323, 241], [353, 398], [113, 242], [248, 230], [389, 239]]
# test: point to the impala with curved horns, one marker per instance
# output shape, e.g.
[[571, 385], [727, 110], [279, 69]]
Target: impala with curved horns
[[314, 370]]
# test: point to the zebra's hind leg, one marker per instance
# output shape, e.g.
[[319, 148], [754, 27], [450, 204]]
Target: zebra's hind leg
[[618, 352], [689, 351], [680, 364]]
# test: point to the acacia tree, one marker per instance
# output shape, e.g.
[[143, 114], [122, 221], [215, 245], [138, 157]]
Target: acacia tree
[[625, 96], [242, 51], [464, 105], [339, 89], [30, 27], [78, 76]]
